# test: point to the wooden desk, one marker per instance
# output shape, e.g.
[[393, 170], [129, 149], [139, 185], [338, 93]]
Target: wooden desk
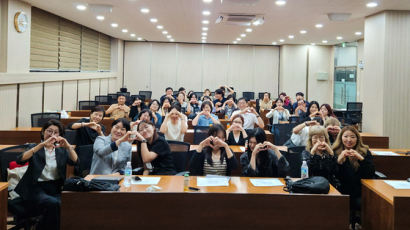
[[19, 136], [107, 122], [384, 207], [394, 167], [374, 141], [189, 136], [3, 205], [238, 206]]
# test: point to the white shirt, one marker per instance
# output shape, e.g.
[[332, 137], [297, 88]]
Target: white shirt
[[50, 169], [249, 119], [301, 138], [174, 131]]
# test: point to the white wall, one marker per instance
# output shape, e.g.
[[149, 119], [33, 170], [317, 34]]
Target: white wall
[[320, 61], [155, 66]]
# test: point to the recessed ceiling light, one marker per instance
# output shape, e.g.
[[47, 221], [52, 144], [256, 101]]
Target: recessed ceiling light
[[124, 30], [160, 27], [203, 38], [139, 38], [81, 7], [291, 36], [324, 41], [281, 40], [243, 35], [205, 22], [303, 31], [132, 35], [372, 4], [169, 36], [204, 34], [274, 43], [204, 28], [339, 37], [171, 40], [115, 25], [318, 25], [207, 1], [206, 13], [234, 42], [100, 18], [313, 44], [164, 32], [144, 10], [358, 33], [153, 20], [238, 39], [249, 30], [280, 2]]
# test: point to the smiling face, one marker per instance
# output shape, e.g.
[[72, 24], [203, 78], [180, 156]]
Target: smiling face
[[154, 106], [266, 97], [169, 92], [313, 109], [52, 130], [318, 138], [252, 143], [279, 103], [146, 130], [174, 115], [96, 116], [145, 117], [121, 100], [349, 139], [118, 131], [207, 108], [324, 110], [242, 104]]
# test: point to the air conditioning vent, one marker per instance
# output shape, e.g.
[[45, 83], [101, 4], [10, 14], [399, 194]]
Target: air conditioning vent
[[238, 19]]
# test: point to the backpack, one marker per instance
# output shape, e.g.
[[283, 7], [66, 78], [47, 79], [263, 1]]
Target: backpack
[[312, 185], [79, 184]]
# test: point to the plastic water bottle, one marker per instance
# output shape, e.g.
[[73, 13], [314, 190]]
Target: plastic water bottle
[[304, 170], [127, 174], [186, 182]]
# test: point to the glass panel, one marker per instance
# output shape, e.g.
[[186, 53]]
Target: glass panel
[[344, 76]]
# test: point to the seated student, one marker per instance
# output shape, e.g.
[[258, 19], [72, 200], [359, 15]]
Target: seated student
[[41, 184], [300, 110], [250, 116], [236, 133], [182, 90], [175, 124], [300, 134], [194, 106], [219, 99], [279, 113], [182, 102], [355, 163], [287, 102], [332, 126], [112, 152], [319, 155], [213, 156], [265, 103], [137, 106], [207, 93], [312, 112], [166, 106], [205, 117], [168, 94], [262, 158], [119, 110], [299, 96], [89, 128], [229, 107], [326, 112], [144, 115], [154, 107], [154, 150], [190, 92]]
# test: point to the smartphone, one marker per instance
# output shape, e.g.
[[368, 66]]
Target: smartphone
[[137, 178]]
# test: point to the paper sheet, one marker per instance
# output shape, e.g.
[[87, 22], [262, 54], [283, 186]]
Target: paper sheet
[[134, 148], [266, 182], [212, 181], [398, 184], [385, 153], [147, 181], [242, 149]]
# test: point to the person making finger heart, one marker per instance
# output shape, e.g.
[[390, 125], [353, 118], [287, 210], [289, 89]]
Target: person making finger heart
[[205, 117], [213, 156], [250, 116], [236, 133], [175, 124], [46, 173], [89, 128]]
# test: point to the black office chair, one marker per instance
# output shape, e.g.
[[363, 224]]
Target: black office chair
[[114, 97], [282, 132], [87, 105], [146, 94], [126, 94], [199, 94], [39, 119], [85, 154], [353, 114], [200, 134], [181, 154], [248, 95], [104, 100], [71, 136], [295, 159]]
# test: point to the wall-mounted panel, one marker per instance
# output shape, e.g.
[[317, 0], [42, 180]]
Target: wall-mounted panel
[[30, 101], [8, 106], [70, 95], [52, 96]]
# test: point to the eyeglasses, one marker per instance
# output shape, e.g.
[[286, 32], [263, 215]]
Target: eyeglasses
[[322, 138], [52, 132]]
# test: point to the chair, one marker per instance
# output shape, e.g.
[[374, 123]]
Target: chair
[[85, 154], [8, 155], [71, 136], [181, 154], [282, 133], [200, 134], [295, 159], [257, 106], [353, 114], [87, 105], [248, 95], [126, 94], [104, 100], [39, 119], [114, 97], [260, 95], [199, 94], [146, 94]]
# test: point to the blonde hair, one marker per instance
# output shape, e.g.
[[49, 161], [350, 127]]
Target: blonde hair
[[316, 130], [332, 121], [361, 148]]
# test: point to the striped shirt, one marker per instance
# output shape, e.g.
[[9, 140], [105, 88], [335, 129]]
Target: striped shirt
[[217, 168]]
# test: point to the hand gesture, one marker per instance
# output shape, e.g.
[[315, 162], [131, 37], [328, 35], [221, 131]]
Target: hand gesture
[[258, 148], [269, 145], [207, 142], [219, 142], [63, 142]]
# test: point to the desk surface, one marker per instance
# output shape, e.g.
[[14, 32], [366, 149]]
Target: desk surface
[[384, 190], [3, 205]]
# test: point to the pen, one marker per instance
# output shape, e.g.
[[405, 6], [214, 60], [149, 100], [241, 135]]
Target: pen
[[193, 188]]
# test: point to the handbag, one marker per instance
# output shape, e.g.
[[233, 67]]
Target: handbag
[[312, 185], [79, 184]]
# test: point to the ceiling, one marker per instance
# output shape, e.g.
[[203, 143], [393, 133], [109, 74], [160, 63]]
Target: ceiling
[[182, 19]]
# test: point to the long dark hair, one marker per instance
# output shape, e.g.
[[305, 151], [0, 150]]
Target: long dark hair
[[310, 105], [213, 131], [145, 111], [330, 112], [260, 136]]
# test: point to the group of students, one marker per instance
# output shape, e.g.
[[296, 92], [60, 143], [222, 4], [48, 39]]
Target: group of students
[[344, 163]]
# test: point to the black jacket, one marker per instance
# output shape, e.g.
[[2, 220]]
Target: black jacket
[[196, 166], [29, 183], [267, 165], [325, 166], [86, 135]]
